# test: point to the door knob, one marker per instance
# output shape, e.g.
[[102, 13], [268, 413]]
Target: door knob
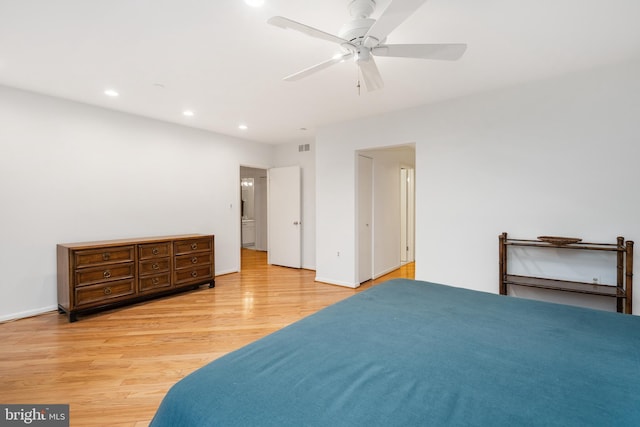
[[296, 223]]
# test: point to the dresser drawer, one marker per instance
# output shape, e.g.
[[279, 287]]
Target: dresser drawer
[[91, 257], [104, 292], [153, 266], [191, 245], [105, 273], [154, 250], [193, 275], [159, 281], [192, 260]]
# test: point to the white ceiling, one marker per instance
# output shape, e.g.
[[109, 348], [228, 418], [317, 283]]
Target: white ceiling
[[220, 59]]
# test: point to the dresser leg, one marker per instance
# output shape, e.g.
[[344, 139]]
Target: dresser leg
[[212, 284], [72, 317]]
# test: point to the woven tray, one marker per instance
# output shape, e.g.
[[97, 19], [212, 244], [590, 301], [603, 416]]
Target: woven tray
[[557, 240]]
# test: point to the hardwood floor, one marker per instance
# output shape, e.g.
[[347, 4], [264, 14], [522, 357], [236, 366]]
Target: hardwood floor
[[114, 367]]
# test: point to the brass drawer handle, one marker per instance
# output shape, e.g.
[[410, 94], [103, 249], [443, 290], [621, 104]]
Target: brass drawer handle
[[106, 275], [155, 251], [155, 266], [107, 291], [194, 246], [155, 281], [194, 274], [194, 260], [106, 256]]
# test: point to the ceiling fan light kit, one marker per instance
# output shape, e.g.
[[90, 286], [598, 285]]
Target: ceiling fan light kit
[[363, 37]]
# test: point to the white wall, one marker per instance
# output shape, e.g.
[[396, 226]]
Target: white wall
[[555, 157], [288, 155], [335, 205], [70, 172]]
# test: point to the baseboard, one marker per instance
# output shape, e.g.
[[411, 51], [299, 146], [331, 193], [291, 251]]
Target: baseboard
[[28, 313], [222, 273], [389, 270], [336, 282]]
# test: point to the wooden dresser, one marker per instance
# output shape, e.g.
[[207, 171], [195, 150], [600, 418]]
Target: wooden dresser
[[98, 275]]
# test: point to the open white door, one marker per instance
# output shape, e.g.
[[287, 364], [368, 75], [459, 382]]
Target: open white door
[[365, 218], [284, 214], [407, 214]]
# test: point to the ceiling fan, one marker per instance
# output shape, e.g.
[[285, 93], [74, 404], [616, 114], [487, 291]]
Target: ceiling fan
[[363, 37]]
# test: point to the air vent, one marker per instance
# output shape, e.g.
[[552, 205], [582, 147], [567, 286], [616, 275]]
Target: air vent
[[303, 147]]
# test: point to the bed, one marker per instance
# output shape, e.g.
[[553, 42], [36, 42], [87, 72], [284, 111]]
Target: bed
[[409, 353]]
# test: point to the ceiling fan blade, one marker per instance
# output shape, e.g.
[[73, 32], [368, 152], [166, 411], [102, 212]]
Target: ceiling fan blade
[[445, 51], [282, 22], [315, 68], [371, 75], [395, 14]]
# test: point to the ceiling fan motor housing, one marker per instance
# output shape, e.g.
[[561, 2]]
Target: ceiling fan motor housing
[[355, 30], [361, 8]]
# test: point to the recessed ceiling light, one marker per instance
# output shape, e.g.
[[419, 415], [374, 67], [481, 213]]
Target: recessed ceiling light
[[111, 92], [188, 113], [254, 3], [243, 127]]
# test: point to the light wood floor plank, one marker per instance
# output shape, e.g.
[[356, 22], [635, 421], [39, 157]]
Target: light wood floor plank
[[115, 367]]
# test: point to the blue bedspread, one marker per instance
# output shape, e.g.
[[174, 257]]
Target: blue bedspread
[[410, 353]]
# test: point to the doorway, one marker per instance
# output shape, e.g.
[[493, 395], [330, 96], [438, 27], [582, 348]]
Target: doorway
[[253, 208], [392, 212], [270, 205]]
